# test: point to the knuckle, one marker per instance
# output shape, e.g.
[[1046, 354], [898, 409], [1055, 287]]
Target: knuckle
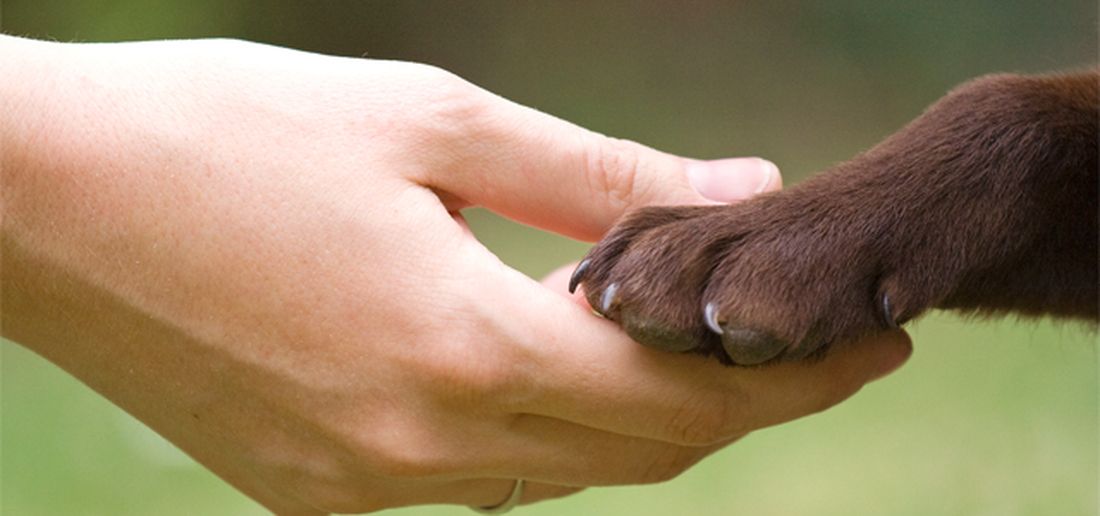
[[452, 116], [466, 381], [402, 456], [668, 464], [407, 465], [395, 447], [340, 498], [706, 419], [336, 487], [469, 373], [615, 169], [451, 107], [430, 106]]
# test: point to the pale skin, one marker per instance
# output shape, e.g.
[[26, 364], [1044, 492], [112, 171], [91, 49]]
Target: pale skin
[[258, 253]]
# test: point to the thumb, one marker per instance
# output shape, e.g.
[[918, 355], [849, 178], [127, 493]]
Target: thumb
[[546, 172]]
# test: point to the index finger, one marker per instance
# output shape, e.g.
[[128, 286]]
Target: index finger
[[549, 173]]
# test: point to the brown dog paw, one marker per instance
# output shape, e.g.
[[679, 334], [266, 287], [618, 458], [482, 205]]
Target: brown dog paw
[[986, 203], [763, 281]]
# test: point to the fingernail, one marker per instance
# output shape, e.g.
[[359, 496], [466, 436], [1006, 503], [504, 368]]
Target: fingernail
[[733, 179]]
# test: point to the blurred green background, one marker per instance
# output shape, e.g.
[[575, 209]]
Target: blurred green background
[[995, 418]]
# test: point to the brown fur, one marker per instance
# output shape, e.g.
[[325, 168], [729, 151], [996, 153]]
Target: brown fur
[[987, 203]]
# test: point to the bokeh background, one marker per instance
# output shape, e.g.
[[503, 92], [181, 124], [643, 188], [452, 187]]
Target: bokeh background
[[995, 418]]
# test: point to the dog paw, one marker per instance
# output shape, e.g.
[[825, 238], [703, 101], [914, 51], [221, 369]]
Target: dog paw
[[773, 279], [979, 205]]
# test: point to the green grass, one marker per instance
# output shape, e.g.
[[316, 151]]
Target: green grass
[[995, 418]]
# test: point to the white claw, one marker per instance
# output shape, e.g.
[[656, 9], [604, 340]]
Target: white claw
[[888, 312], [608, 298], [710, 317]]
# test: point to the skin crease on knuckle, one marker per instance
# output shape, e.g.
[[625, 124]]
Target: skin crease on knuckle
[[341, 498], [481, 361], [669, 465], [613, 167], [456, 389], [402, 446], [455, 119], [708, 418]]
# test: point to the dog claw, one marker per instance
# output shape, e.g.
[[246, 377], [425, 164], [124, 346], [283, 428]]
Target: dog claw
[[750, 347], [608, 298], [710, 317], [578, 275], [888, 312]]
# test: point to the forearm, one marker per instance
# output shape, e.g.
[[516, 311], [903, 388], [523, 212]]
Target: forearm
[[100, 183]]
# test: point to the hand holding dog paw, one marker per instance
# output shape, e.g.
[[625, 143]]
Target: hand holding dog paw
[[258, 253]]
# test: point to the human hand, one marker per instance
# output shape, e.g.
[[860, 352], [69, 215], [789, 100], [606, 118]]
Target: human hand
[[257, 252]]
